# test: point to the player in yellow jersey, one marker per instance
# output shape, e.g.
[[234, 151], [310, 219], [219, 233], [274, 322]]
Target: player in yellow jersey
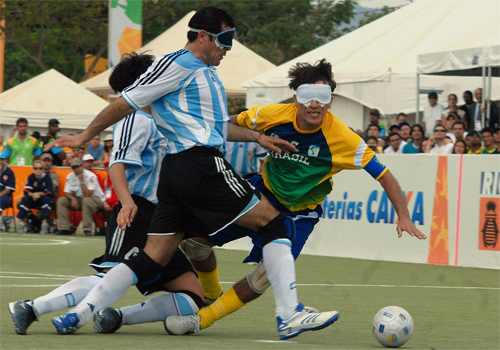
[[296, 184]]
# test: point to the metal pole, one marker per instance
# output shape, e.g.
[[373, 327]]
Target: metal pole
[[488, 108], [417, 114], [483, 116]]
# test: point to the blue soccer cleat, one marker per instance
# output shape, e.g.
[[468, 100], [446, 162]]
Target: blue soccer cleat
[[66, 324], [302, 321]]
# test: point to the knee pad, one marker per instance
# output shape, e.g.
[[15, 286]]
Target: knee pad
[[280, 227], [145, 269], [258, 280], [194, 250]]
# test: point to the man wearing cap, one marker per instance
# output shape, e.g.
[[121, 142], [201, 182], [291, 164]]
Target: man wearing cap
[[81, 192], [59, 155], [432, 114], [46, 158], [7, 187], [374, 119]]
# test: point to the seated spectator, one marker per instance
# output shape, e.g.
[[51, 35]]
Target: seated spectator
[[360, 133], [58, 154], [395, 144], [38, 193], [23, 148], [7, 187], [489, 141], [438, 143], [394, 128], [448, 124], [79, 152], [46, 158], [417, 135], [404, 131], [81, 192], [432, 114], [423, 145], [497, 138], [374, 119], [372, 143], [95, 149], [108, 148], [460, 147], [401, 118], [452, 108], [459, 130], [475, 143]]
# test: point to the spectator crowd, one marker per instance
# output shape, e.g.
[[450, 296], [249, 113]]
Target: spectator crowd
[[457, 129]]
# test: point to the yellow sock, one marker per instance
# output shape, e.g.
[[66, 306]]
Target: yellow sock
[[210, 283], [223, 306]]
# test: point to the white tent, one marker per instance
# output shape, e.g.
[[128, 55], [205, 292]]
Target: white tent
[[375, 65], [50, 95], [239, 64]]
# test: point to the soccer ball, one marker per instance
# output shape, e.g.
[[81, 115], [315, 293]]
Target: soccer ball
[[392, 326]]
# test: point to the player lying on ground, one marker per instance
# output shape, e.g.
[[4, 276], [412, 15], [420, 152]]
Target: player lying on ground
[[134, 171], [295, 184], [199, 192]]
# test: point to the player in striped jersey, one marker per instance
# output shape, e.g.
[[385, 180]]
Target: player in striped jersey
[[135, 167], [199, 193]]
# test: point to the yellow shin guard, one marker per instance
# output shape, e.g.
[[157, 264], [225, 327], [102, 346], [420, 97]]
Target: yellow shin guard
[[210, 283]]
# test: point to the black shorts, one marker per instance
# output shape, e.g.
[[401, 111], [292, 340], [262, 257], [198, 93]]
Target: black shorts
[[121, 245], [200, 193]]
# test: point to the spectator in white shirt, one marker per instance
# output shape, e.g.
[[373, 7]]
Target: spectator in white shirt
[[81, 192], [396, 144], [439, 143], [432, 114]]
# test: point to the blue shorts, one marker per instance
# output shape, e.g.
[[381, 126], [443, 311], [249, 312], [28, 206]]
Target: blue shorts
[[304, 224]]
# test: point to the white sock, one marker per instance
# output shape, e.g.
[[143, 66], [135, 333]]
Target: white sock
[[159, 307], [111, 288], [67, 295], [280, 268]]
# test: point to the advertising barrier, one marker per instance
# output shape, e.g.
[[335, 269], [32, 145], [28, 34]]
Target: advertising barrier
[[454, 200]]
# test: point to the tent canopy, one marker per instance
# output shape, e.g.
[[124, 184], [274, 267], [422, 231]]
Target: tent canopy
[[50, 95], [375, 65], [462, 62], [237, 66]]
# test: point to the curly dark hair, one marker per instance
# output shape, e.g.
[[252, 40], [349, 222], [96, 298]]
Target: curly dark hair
[[306, 73], [130, 67]]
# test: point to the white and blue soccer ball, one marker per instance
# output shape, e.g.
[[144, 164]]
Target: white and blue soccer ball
[[392, 326]]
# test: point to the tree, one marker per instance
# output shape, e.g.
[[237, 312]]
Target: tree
[[370, 17], [52, 34], [58, 34]]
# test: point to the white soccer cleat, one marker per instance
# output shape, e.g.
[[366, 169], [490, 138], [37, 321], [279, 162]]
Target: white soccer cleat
[[302, 321], [180, 325]]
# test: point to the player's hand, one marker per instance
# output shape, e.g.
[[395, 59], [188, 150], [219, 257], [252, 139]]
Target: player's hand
[[405, 224], [276, 144], [126, 215], [71, 141]]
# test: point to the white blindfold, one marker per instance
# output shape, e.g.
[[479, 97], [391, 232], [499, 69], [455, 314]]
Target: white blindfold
[[321, 93]]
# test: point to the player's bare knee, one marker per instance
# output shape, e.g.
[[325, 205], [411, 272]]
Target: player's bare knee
[[195, 251], [258, 280]]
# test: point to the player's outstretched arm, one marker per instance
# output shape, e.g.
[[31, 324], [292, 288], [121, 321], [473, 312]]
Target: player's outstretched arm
[[240, 134], [108, 116], [396, 196]]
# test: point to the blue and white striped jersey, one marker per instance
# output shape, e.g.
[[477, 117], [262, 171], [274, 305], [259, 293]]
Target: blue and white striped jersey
[[244, 156], [138, 143], [189, 103]]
